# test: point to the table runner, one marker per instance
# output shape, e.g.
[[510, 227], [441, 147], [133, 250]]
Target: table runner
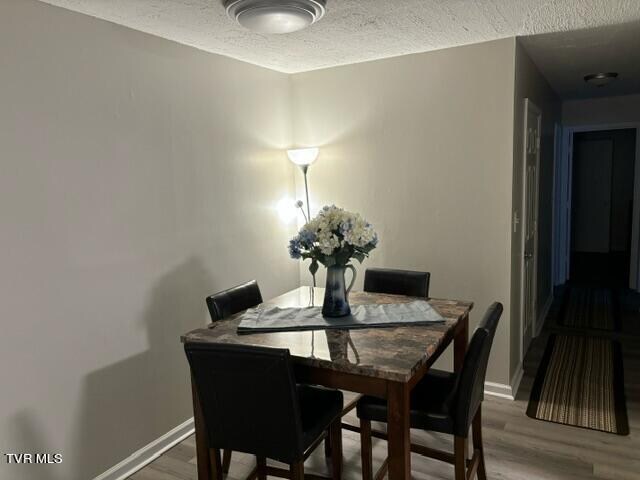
[[276, 319]]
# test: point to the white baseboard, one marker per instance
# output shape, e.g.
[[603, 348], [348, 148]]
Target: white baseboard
[[543, 315], [505, 391], [498, 390], [516, 379], [510, 391], [148, 453]]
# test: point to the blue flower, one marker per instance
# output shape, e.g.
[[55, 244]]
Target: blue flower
[[306, 238], [294, 248]]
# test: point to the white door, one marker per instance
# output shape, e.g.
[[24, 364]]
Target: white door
[[532, 126]]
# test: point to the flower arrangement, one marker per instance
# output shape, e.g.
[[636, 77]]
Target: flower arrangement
[[333, 237]]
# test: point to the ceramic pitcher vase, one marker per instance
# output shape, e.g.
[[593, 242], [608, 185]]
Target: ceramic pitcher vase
[[336, 294]]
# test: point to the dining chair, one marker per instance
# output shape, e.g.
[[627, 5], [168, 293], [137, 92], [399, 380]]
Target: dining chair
[[233, 300], [224, 304], [442, 402], [251, 403], [398, 282]]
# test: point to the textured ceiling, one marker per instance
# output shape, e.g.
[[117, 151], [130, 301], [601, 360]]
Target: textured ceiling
[[565, 58], [357, 30]]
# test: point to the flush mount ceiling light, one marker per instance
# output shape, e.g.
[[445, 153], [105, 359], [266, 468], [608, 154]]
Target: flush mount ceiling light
[[275, 16], [600, 79]]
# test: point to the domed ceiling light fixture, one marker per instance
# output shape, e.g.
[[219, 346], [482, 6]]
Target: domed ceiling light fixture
[[600, 79], [275, 16]]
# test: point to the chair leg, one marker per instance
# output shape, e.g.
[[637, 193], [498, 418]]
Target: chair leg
[[262, 468], [460, 458], [226, 460], [477, 443], [366, 449], [335, 433], [297, 470], [216, 465]]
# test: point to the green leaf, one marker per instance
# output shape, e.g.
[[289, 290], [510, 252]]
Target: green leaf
[[359, 256], [313, 268], [329, 261]]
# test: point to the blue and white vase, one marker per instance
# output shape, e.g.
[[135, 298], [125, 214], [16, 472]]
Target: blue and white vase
[[336, 294]]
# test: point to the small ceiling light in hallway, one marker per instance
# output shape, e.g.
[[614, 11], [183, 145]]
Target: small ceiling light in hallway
[[600, 79], [275, 16]]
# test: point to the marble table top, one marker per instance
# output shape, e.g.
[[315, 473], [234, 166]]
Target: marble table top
[[388, 353]]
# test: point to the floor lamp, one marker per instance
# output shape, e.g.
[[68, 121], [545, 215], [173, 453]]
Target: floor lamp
[[303, 157]]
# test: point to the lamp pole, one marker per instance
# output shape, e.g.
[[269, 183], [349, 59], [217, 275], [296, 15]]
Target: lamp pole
[[303, 157], [305, 169]]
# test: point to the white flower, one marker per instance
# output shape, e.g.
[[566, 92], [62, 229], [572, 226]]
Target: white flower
[[335, 231]]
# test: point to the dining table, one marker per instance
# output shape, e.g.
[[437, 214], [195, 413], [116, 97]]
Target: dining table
[[383, 362]]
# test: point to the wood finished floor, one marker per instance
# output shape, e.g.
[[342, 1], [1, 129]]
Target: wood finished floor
[[517, 447]]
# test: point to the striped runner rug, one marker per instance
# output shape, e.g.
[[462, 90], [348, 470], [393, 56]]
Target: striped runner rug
[[589, 308], [580, 383]]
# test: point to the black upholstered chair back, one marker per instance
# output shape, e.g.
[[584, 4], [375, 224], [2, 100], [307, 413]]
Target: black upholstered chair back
[[226, 303], [248, 398], [470, 389], [398, 282]]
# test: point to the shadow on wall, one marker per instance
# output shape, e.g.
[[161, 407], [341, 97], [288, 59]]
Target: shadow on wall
[[126, 405]]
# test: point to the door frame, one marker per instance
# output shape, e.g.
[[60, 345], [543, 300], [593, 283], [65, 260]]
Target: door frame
[[562, 203], [558, 254], [529, 106]]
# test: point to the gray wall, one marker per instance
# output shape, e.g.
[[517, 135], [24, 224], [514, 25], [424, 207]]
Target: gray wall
[[529, 83], [136, 177], [422, 146], [601, 111]]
